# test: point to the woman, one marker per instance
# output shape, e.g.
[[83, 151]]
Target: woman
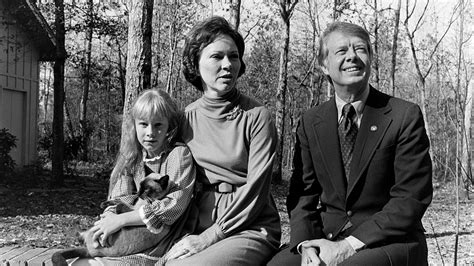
[[233, 140]]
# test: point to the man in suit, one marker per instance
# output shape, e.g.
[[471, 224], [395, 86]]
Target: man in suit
[[362, 178]]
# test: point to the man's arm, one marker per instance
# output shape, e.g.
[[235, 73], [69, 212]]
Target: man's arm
[[303, 197]]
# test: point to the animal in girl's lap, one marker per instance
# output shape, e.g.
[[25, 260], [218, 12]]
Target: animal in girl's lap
[[129, 240], [144, 225]]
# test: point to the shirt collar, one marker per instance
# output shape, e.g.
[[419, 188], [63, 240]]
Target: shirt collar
[[145, 159], [358, 104]]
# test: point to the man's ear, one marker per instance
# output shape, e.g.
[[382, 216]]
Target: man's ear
[[324, 68]]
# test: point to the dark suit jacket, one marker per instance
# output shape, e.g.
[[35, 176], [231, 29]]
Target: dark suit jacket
[[390, 185]]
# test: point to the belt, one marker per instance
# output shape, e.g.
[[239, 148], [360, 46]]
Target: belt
[[221, 187]]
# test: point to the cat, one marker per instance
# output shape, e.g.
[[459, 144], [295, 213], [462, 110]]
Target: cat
[[127, 241]]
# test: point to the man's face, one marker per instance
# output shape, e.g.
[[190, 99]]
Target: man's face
[[348, 61]]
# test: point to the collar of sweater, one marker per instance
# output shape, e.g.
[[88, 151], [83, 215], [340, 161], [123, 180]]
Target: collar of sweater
[[223, 107]]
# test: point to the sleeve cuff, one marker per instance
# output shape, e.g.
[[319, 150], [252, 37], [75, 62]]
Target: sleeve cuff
[[213, 234], [355, 243], [298, 247], [141, 212]]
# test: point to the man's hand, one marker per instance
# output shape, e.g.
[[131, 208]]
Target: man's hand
[[330, 253], [309, 256]]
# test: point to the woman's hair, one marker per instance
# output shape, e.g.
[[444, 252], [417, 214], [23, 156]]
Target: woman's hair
[[200, 36], [149, 104], [345, 28]]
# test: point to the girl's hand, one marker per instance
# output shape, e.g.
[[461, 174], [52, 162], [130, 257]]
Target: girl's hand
[[187, 246], [106, 226]]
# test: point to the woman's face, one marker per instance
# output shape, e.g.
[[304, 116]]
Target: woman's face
[[219, 66]]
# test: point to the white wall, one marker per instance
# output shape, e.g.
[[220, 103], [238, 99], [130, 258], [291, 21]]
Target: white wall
[[19, 73]]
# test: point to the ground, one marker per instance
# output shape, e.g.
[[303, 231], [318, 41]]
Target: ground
[[33, 214]]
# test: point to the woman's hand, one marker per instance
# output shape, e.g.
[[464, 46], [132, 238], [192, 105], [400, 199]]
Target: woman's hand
[[187, 246], [106, 226]]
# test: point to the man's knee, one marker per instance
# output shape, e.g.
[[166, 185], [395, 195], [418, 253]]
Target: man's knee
[[411, 253], [285, 257]]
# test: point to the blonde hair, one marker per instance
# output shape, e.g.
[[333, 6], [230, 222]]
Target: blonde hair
[[149, 104]]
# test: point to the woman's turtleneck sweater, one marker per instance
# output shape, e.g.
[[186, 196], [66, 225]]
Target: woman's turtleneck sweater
[[233, 139]]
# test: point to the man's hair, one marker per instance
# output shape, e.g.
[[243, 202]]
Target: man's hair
[[342, 27], [200, 36]]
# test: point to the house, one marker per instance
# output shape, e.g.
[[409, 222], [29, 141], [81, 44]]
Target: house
[[25, 41]]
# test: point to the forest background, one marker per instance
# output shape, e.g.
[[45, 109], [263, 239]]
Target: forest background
[[423, 52]]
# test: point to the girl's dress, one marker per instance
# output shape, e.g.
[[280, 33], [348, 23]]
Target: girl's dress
[[170, 216], [233, 141]]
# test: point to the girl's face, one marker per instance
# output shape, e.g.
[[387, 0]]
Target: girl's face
[[151, 133], [219, 66]]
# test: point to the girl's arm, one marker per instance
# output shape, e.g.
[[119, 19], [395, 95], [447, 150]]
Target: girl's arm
[[124, 190], [179, 166], [111, 223]]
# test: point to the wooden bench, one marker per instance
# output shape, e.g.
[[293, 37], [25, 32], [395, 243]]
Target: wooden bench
[[26, 256]]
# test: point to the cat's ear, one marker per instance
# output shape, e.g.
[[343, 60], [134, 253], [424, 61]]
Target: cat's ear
[[163, 181], [143, 184]]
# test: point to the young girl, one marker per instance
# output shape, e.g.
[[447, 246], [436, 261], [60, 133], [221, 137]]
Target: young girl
[[149, 146]]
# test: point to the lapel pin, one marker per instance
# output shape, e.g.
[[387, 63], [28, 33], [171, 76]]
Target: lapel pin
[[373, 128]]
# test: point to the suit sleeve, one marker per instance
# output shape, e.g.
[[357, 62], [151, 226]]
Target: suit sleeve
[[303, 197], [412, 190]]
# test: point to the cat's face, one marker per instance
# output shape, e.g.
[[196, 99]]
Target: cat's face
[[153, 187]]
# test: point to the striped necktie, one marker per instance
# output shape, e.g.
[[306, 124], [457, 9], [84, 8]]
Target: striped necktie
[[347, 136]]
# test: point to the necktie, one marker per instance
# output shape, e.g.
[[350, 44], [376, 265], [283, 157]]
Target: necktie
[[347, 136]]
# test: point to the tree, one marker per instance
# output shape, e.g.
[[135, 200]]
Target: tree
[[394, 46], [138, 75], [421, 84], [230, 10], [376, 45], [58, 84], [286, 8], [235, 13], [83, 123], [466, 157]]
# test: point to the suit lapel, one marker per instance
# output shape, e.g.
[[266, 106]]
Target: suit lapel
[[373, 126], [325, 128]]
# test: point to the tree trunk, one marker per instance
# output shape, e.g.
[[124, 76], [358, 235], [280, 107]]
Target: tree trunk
[[235, 13], [86, 76], [286, 10], [420, 75], [466, 150], [173, 38], [394, 47], [421, 80], [107, 120], [58, 116], [376, 46], [122, 72], [229, 9], [156, 50], [47, 92], [68, 121], [138, 74]]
